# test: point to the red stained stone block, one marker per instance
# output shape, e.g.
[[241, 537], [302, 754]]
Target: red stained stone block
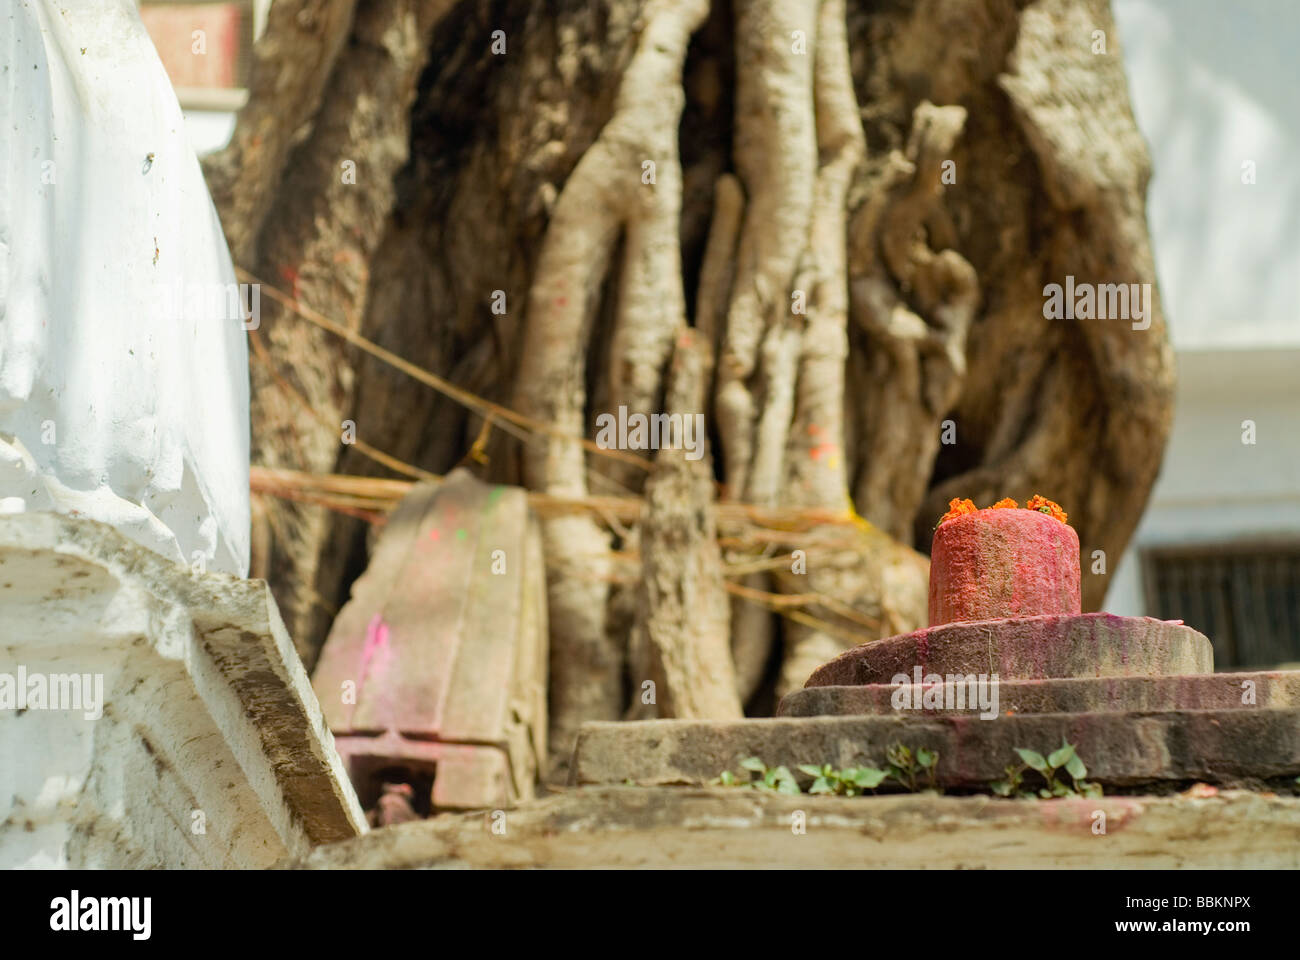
[[993, 564]]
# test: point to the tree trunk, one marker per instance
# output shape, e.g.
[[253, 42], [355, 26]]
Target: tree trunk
[[860, 203], [683, 611]]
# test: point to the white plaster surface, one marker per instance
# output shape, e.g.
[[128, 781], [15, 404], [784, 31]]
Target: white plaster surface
[[207, 714], [123, 369], [1213, 489]]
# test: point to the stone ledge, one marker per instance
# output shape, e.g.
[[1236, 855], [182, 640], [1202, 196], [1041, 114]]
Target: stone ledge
[[1206, 691], [698, 828], [1120, 749], [206, 708]]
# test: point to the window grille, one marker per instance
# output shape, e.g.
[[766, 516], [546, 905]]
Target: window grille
[[1245, 599]]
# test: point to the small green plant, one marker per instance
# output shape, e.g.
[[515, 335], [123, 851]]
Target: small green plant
[[848, 782], [776, 779], [904, 765], [1010, 787], [1063, 759]]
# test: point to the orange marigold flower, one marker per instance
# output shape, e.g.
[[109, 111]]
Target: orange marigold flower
[[1043, 505], [957, 508], [1006, 503]]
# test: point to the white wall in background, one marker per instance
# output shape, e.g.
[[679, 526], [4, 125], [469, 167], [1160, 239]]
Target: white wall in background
[[1213, 85], [1213, 488]]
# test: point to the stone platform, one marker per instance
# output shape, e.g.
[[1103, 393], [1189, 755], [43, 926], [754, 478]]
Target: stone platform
[[1020, 668], [631, 827], [1056, 645]]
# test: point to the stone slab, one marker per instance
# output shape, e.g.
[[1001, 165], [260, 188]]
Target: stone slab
[[1207, 691], [207, 749], [1120, 749], [443, 648], [631, 827], [1084, 645]]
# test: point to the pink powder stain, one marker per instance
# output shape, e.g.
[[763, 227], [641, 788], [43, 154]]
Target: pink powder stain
[[1026, 573], [922, 647], [376, 645], [376, 650], [435, 535], [291, 277]]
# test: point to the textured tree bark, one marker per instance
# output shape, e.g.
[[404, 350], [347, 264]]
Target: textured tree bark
[[856, 207], [683, 610], [605, 198], [308, 215]]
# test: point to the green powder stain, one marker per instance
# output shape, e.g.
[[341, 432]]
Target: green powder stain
[[460, 533]]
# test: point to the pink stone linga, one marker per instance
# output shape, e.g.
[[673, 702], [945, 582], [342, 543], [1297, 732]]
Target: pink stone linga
[[992, 564], [1005, 602]]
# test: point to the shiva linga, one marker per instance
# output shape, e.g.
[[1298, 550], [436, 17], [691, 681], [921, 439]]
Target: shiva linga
[[1004, 604]]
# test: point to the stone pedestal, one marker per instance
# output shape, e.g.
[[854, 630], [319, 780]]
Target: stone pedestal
[[164, 718], [1137, 697]]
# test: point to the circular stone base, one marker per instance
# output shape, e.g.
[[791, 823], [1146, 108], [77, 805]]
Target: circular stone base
[[1057, 645]]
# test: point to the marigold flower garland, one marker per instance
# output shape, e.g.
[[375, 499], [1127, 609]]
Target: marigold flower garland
[[958, 507]]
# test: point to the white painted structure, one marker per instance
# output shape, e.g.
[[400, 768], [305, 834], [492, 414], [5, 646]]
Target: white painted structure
[[123, 364], [1213, 90], [151, 717]]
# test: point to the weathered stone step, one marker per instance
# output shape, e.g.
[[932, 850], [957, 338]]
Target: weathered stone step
[[1082, 645], [201, 712], [607, 827], [1120, 749], [1207, 691]]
